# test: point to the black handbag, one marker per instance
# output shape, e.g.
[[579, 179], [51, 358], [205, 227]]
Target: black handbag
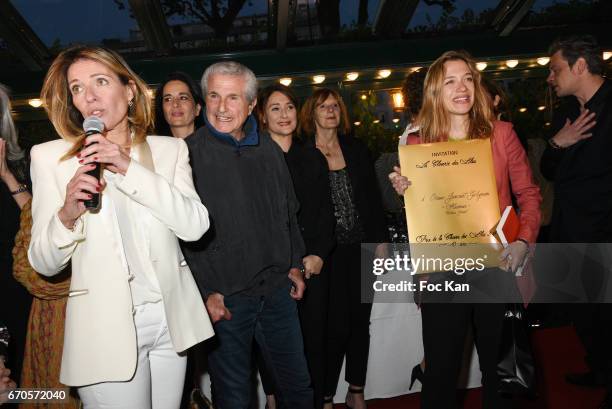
[[515, 368]]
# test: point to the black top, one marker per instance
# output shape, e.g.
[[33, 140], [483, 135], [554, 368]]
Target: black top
[[308, 170], [254, 237], [582, 174], [9, 225], [366, 193], [348, 224]]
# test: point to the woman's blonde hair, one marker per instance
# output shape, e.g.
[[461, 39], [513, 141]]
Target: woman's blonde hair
[[67, 119], [307, 114], [434, 120]]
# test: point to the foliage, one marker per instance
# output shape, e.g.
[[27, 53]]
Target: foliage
[[449, 22], [529, 93], [570, 12], [55, 47], [375, 135], [573, 11], [217, 14]]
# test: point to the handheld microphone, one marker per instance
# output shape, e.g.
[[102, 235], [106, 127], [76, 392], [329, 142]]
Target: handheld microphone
[[93, 125]]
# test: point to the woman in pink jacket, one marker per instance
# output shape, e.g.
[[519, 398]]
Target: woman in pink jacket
[[456, 107]]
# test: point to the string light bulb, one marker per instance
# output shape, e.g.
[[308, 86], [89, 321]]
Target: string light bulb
[[318, 79], [352, 76], [543, 60], [512, 63], [481, 65], [35, 102], [384, 73]]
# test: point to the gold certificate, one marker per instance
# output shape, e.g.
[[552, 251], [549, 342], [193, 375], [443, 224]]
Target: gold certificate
[[452, 202]]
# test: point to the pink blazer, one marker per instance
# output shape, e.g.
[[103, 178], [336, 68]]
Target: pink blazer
[[512, 170]]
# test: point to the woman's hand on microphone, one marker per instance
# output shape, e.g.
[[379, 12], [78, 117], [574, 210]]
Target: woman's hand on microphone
[[101, 150], [79, 188]]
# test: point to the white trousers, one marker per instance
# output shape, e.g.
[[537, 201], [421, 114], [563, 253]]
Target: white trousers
[[160, 372]]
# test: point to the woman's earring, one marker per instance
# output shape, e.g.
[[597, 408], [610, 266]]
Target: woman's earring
[[131, 105]]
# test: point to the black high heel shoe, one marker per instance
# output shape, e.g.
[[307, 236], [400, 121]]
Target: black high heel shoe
[[354, 391], [417, 373]]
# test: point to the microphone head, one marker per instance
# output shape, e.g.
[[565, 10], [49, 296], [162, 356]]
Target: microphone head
[[93, 123]]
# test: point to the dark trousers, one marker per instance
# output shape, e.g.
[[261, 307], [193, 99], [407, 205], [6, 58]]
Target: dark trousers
[[348, 319], [593, 323], [313, 312], [444, 331], [15, 304], [271, 321], [593, 318], [446, 319]]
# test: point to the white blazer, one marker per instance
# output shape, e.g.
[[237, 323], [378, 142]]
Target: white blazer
[[100, 336]]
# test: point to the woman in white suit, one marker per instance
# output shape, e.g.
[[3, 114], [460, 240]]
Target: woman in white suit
[[133, 305]]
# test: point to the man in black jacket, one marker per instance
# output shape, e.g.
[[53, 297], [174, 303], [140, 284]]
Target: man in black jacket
[[248, 264], [578, 159]]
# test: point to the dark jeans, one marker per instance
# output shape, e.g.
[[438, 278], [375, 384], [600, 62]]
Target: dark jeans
[[272, 321], [313, 313]]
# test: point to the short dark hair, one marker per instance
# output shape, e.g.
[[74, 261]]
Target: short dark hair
[[574, 47], [493, 88], [412, 90], [262, 100], [161, 125]]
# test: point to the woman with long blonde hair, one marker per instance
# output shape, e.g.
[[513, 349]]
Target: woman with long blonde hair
[[133, 304], [456, 107]]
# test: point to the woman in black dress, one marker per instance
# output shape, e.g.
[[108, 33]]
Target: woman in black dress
[[277, 113], [359, 218]]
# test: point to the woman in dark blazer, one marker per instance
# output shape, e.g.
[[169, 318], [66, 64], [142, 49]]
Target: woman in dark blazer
[[277, 114], [359, 218]]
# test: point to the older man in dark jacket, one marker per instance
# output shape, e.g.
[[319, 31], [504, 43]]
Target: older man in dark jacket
[[248, 265]]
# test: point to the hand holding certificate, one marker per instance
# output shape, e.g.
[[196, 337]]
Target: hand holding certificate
[[452, 200]]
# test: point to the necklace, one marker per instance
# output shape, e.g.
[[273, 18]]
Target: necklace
[[325, 151]]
